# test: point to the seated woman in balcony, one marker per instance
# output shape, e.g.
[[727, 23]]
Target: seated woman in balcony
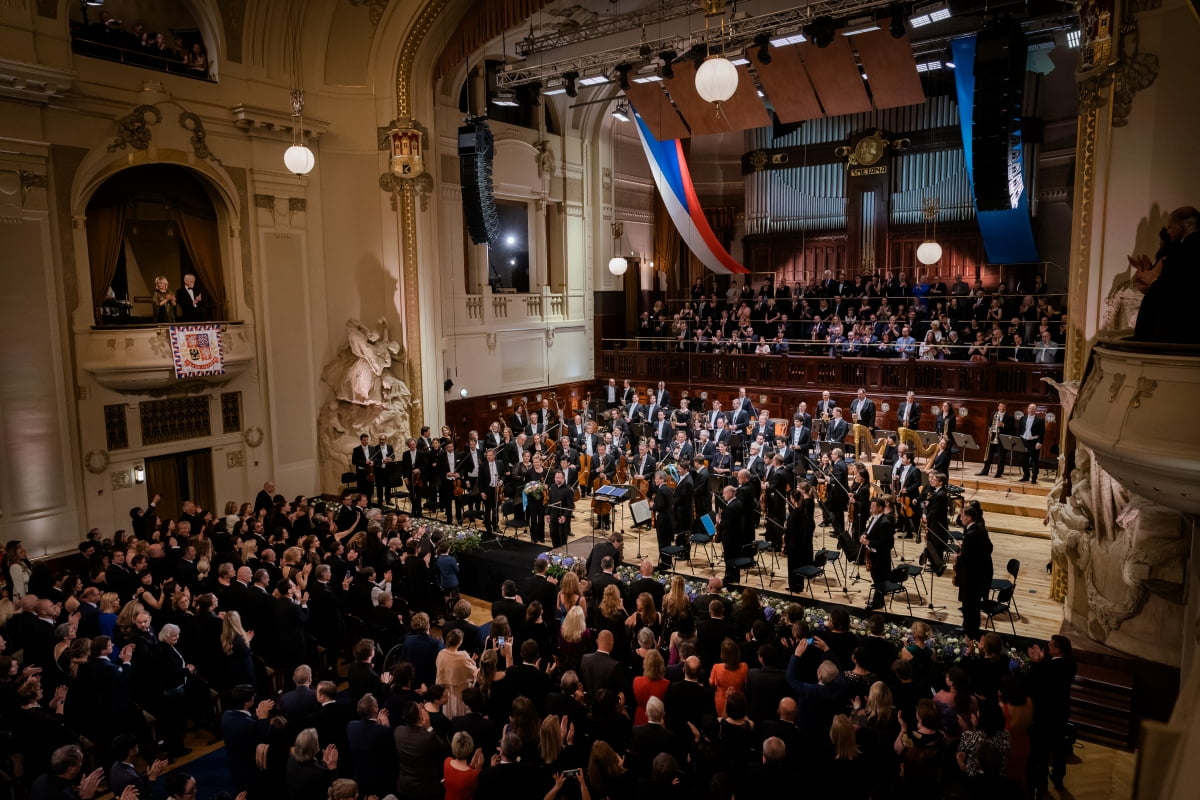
[[165, 308]]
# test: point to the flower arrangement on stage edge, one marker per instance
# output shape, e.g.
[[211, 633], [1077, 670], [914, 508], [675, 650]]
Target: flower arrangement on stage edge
[[945, 648], [462, 540]]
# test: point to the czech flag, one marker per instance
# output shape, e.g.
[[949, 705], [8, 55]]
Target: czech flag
[[679, 196]]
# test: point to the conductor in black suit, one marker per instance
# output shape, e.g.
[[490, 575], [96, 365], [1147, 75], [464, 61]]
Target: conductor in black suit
[[190, 302], [560, 509], [1032, 430], [879, 538], [664, 520], [732, 531], [973, 570]]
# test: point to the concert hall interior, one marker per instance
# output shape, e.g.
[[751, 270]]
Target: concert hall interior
[[224, 260]]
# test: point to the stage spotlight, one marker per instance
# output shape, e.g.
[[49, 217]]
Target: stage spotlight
[[821, 31], [899, 17], [667, 57], [570, 78], [623, 76], [763, 40]]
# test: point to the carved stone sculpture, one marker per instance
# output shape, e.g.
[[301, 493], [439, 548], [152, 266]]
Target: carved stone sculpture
[[368, 376]]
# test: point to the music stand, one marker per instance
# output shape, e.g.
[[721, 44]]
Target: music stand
[[882, 474], [736, 443], [1013, 445], [640, 511], [964, 442]]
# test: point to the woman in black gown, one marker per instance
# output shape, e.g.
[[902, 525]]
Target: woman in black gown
[[798, 533]]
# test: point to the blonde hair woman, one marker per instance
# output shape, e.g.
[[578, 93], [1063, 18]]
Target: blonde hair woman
[[165, 308], [574, 639], [235, 643], [676, 602], [570, 595]]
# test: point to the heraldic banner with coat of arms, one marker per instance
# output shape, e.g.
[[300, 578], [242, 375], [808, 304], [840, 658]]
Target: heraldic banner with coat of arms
[[196, 350]]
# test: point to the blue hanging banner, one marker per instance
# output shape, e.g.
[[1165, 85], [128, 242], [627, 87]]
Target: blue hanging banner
[[1007, 235]]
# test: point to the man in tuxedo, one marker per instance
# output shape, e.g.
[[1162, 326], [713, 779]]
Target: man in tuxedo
[[862, 410], [661, 430], [664, 520], [838, 428], [645, 583], [609, 547], [413, 461], [540, 587], [779, 485], [837, 498], [878, 539], [973, 570], [385, 456], [634, 411], [1053, 673], [1032, 430], [825, 405], [909, 414], [740, 418], [560, 509], [534, 427], [628, 393], [651, 739], [690, 701], [715, 413], [907, 480], [243, 732], [732, 531], [935, 503], [190, 302], [362, 457], [612, 395], [685, 504]]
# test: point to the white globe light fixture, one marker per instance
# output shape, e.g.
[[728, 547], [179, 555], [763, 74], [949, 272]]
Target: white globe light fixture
[[717, 79], [617, 265], [299, 159], [929, 253]]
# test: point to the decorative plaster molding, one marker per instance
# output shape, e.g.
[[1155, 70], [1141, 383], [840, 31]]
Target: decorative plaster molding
[[133, 129], [280, 126], [31, 82], [191, 122]]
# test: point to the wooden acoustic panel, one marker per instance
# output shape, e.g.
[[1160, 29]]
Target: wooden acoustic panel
[[745, 110], [835, 76], [656, 110], [701, 115], [891, 69], [786, 83]]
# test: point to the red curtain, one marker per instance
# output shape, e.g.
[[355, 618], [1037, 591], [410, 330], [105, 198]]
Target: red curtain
[[105, 237], [200, 237]]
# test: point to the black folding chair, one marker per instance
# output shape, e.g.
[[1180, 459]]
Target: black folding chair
[[896, 583], [815, 570], [994, 608], [748, 560], [1000, 584]]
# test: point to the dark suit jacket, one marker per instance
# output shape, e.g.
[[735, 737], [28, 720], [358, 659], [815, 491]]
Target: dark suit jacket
[[973, 570], [647, 585], [242, 734], [711, 632], [526, 680], [646, 743], [601, 581], [866, 412], [515, 612], [331, 720], [190, 311], [601, 671], [536, 587], [912, 415], [420, 755], [298, 705], [765, 687], [689, 701], [598, 553], [373, 754], [516, 781]]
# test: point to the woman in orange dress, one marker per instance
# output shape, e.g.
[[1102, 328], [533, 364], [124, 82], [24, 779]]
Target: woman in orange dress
[[729, 675]]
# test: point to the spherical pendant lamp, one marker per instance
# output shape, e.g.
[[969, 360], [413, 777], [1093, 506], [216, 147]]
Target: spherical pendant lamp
[[716, 80], [299, 159], [929, 253], [617, 265]]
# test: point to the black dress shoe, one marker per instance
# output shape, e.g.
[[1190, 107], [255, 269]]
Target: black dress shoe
[[983, 474]]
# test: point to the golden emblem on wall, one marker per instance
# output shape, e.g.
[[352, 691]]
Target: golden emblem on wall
[[869, 149], [407, 150]]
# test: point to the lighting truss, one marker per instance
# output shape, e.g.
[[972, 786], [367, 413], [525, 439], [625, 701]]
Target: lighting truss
[[735, 30]]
